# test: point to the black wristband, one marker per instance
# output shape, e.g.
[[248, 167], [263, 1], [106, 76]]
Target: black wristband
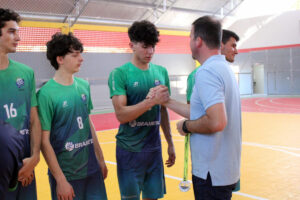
[[184, 128]]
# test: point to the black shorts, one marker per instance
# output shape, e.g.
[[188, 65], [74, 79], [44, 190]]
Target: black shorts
[[204, 190]]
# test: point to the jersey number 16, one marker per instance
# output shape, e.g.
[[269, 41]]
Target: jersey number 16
[[10, 111]]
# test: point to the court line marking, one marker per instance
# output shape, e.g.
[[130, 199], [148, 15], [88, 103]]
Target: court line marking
[[180, 179], [250, 196], [265, 146], [257, 102], [271, 148], [283, 104], [276, 146]]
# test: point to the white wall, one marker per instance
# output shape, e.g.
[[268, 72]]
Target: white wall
[[267, 31]]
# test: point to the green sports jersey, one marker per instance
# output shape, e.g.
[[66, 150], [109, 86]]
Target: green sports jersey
[[141, 134], [190, 84], [64, 111], [17, 96]]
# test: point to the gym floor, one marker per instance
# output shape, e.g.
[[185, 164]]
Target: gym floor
[[270, 153]]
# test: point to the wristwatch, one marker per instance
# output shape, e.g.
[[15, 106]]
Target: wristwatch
[[184, 128]]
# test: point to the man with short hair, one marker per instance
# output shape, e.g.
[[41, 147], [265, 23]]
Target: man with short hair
[[69, 142], [139, 156], [228, 45], [228, 48], [215, 116], [18, 104]]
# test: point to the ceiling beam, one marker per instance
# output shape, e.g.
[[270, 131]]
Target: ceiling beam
[[95, 21], [227, 8], [86, 2], [71, 10], [153, 6]]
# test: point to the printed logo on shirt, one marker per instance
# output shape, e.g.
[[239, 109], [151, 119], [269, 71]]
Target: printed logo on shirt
[[83, 97], [134, 123], [70, 146], [20, 82], [157, 82], [135, 84], [65, 104], [24, 131]]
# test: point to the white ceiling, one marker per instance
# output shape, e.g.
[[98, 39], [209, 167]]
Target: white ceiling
[[172, 14]]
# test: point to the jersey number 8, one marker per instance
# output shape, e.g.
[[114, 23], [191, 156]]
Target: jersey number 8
[[79, 121]]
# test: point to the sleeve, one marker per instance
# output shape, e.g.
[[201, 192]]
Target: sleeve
[[167, 80], [33, 92], [210, 88], [117, 83], [190, 85], [46, 111], [90, 103]]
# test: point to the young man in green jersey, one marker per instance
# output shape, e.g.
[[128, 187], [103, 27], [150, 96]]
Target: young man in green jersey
[[69, 143], [139, 156], [18, 104]]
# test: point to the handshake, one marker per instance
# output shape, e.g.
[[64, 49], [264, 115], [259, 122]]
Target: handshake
[[158, 95]]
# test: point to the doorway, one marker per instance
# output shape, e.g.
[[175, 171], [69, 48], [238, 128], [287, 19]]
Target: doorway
[[258, 78]]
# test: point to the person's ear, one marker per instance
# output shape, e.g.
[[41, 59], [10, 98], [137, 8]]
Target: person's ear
[[222, 45], [60, 60], [131, 45], [199, 42]]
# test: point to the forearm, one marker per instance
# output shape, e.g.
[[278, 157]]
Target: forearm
[[97, 148], [98, 152], [201, 125], [213, 121], [129, 113], [52, 162], [35, 135], [165, 125], [178, 107]]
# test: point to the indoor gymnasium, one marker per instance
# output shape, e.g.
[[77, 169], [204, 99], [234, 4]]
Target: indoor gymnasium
[[266, 67]]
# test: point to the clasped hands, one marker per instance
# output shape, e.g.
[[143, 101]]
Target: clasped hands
[[158, 95]]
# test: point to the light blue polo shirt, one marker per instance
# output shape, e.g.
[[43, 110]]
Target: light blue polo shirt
[[218, 153]]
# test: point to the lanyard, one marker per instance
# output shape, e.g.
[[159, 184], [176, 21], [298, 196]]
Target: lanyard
[[185, 185]]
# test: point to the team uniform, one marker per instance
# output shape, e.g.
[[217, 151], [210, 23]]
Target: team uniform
[[139, 157], [190, 84], [64, 111], [17, 96], [11, 148]]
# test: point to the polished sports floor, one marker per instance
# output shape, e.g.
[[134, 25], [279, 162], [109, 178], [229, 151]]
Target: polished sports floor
[[270, 167]]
